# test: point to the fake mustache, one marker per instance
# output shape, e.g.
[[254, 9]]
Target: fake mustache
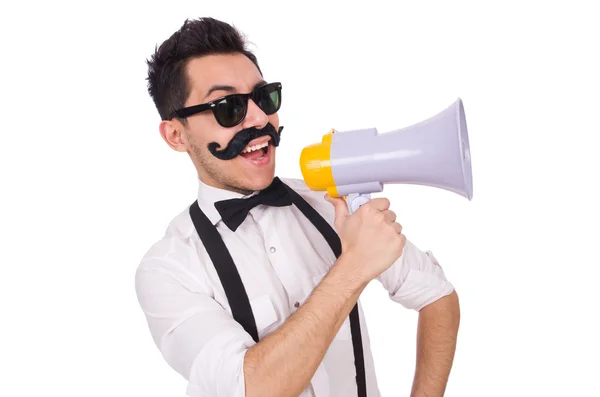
[[239, 142]]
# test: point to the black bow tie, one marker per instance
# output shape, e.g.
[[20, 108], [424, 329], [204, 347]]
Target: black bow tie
[[234, 211]]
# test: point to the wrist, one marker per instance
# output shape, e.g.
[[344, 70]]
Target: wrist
[[350, 271]]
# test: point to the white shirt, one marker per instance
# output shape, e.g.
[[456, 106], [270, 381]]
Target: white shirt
[[281, 258]]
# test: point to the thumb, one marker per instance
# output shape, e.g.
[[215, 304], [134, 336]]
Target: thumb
[[341, 209]]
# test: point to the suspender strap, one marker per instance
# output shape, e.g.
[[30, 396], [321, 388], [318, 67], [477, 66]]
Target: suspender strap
[[234, 287], [228, 273], [336, 246]]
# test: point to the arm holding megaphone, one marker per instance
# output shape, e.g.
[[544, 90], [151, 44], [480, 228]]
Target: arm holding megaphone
[[355, 164]]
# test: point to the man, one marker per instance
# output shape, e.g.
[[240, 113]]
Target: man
[[253, 290]]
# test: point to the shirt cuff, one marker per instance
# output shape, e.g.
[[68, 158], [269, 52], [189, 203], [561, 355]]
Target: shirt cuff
[[218, 370], [421, 289], [423, 284]]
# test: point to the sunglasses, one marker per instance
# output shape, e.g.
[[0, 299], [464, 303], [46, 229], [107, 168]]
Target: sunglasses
[[231, 110]]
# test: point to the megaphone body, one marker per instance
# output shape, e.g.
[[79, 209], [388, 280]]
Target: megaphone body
[[357, 163]]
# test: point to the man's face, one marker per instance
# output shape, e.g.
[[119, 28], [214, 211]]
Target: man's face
[[212, 77]]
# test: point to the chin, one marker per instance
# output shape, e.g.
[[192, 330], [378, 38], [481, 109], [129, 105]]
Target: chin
[[254, 176], [261, 181], [252, 182]]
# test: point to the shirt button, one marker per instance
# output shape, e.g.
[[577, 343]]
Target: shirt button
[[297, 305], [272, 249]]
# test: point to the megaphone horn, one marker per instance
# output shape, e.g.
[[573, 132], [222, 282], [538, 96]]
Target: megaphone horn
[[357, 163]]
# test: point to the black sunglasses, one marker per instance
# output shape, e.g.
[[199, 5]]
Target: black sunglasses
[[231, 110]]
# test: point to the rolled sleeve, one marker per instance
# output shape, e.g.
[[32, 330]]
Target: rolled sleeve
[[416, 279], [197, 337]]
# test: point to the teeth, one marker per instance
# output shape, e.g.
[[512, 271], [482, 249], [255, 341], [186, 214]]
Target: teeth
[[255, 147]]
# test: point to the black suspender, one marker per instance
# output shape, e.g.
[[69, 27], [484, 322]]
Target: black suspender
[[234, 287], [336, 246], [228, 273]]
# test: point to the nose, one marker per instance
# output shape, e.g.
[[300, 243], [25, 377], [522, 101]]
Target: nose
[[255, 117]]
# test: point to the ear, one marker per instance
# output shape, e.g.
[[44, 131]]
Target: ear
[[172, 132]]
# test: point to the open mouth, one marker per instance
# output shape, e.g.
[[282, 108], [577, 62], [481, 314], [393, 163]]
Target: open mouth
[[257, 152]]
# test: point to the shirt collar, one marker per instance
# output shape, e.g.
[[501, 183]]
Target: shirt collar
[[209, 195]]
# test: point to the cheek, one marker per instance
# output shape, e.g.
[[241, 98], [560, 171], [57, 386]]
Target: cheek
[[192, 138], [201, 135], [222, 139], [194, 146]]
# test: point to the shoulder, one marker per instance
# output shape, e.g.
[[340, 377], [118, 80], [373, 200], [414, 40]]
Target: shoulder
[[175, 251], [316, 199], [179, 233]]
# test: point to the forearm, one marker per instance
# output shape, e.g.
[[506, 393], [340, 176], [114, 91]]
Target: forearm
[[436, 345], [284, 362]]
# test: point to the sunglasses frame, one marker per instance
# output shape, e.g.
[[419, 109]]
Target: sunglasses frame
[[195, 109]]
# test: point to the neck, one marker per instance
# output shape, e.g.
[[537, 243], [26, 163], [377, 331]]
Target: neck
[[236, 190], [215, 184]]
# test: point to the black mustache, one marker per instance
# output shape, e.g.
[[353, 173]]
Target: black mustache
[[239, 142]]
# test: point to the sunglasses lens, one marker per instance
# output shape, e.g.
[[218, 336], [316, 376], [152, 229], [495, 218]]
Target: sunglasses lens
[[230, 111], [269, 98]]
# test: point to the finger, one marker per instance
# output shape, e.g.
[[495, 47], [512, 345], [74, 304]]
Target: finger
[[380, 203], [389, 216], [397, 227], [340, 207]]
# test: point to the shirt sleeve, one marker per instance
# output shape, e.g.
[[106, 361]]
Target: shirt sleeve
[[197, 337], [416, 279]]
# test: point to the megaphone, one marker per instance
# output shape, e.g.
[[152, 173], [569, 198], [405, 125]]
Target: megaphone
[[355, 164]]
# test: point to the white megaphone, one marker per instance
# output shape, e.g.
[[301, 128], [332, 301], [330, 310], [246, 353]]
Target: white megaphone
[[354, 164]]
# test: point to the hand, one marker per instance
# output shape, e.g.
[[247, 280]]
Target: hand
[[371, 237]]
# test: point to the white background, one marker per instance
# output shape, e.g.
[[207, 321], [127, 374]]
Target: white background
[[88, 184]]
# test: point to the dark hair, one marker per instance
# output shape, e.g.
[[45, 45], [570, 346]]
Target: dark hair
[[168, 83]]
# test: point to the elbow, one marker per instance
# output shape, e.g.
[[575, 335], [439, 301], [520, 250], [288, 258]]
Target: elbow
[[254, 385], [249, 374], [259, 378]]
